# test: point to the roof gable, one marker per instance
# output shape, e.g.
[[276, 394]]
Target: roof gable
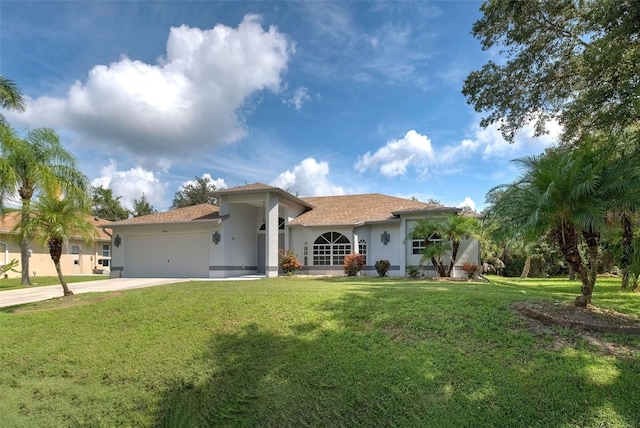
[[9, 220]]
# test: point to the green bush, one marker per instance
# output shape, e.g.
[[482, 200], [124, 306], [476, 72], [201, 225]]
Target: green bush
[[382, 267], [412, 271]]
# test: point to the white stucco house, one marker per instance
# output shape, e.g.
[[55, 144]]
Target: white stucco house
[[243, 235]]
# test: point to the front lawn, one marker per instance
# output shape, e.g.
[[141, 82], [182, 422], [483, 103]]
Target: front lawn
[[356, 352], [39, 281]]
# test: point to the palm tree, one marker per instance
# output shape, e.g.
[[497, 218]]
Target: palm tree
[[566, 194], [10, 97], [56, 219], [443, 236], [36, 164]]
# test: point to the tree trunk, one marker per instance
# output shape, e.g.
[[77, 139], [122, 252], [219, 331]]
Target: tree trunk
[[567, 240], [526, 267], [437, 264], [586, 290], [572, 273], [454, 254], [627, 249], [24, 245], [55, 250]]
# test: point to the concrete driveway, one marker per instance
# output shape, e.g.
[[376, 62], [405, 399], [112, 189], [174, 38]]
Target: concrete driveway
[[36, 294]]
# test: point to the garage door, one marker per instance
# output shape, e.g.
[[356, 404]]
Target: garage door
[[167, 256]]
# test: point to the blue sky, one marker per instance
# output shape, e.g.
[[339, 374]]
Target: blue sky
[[317, 97]]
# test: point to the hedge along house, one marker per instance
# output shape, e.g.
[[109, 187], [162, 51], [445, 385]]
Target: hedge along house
[[78, 257], [253, 222]]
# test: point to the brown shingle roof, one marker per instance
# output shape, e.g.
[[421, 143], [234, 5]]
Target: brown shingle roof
[[178, 215], [9, 220], [353, 209]]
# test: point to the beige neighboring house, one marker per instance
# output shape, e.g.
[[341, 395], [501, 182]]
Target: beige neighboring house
[[78, 258], [253, 222]]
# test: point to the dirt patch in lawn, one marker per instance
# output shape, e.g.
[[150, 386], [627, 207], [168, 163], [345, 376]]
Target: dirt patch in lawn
[[591, 323], [67, 302]]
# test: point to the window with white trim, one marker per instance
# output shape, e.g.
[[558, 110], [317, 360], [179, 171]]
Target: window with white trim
[[106, 250], [75, 249], [362, 249], [418, 245], [330, 249]]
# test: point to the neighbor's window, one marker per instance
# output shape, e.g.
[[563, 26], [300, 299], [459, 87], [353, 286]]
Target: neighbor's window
[[75, 249], [330, 248], [106, 251]]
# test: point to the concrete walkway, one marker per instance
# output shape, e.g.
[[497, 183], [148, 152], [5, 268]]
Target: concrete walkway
[[36, 294]]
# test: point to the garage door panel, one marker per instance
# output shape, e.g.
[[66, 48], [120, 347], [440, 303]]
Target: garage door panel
[[170, 256]]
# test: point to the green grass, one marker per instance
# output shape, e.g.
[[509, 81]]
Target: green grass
[[356, 352], [39, 281]]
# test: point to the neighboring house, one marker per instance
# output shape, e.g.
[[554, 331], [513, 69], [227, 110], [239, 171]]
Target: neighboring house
[[78, 258], [254, 221]]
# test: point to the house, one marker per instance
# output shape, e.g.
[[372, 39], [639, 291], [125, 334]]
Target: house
[[243, 235], [78, 257]]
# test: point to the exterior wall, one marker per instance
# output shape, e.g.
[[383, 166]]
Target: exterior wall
[[393, 251], [40, 263], [239, 241]]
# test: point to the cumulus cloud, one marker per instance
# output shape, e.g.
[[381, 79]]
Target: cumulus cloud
[[397, 155], [468, 202], [131, 184], [416, 150], [188, 100], [309, 178]]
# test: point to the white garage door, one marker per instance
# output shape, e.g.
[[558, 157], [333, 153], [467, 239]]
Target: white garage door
[[167, 256]]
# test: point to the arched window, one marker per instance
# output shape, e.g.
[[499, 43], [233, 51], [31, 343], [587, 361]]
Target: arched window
[[330, 248], [263, 226], [362, 249]]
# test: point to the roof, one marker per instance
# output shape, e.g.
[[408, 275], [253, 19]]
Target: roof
[[354, 209], [201, 212], [11, 219], [262, 188]]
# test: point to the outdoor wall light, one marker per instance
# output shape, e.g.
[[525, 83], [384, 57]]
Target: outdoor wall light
[[117, 241], [385, 238], [216, 237]]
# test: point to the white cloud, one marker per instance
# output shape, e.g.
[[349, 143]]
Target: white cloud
[[186, 101], [496, 146], [309, 178], [468, 202], [397, 155], [300, 96], [219, 183], [131, 185]]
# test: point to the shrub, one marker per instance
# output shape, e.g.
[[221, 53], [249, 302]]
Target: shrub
[[412, 271], [470, 269], [382, 267], [289, 262], [353, 263]]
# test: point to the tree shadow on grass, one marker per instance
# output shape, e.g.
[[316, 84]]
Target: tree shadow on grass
[[396, 357]]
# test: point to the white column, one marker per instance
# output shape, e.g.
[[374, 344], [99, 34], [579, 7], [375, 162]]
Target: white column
[[271, 235]]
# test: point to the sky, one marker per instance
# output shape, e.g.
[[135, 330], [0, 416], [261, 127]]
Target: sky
[[315, 97]]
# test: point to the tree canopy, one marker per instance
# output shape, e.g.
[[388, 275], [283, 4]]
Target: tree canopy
[[142, 207], [201, 191], [107, 206], [10, 97], [577, 61], [36, 165]]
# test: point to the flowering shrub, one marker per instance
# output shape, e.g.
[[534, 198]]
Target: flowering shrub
[[382, 266], [289, 262], [353, 263], [470, 269]]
